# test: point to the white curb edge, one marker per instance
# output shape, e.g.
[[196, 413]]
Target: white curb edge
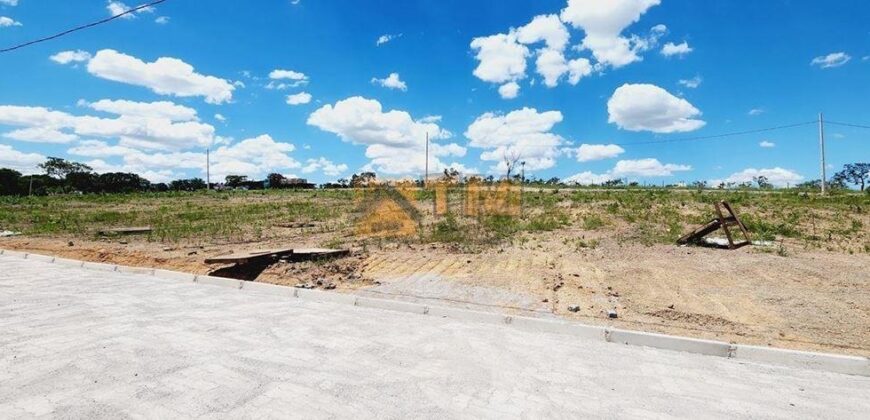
[[850, 365]]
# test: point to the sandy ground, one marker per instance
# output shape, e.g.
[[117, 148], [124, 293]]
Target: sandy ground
[[811, 300]]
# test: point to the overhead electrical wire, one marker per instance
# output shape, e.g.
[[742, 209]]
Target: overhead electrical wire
[[695, 138], [82, 27], [718, 136], [848, 124]]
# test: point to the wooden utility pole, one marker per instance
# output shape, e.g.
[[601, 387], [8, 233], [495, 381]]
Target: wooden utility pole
[[822, 152]]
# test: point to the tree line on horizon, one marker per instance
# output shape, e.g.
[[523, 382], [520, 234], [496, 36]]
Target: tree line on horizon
[[63, 177]]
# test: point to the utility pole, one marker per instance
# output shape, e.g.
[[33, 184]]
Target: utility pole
[[207, 169], [822, 151], [30, 191], [426, 180]]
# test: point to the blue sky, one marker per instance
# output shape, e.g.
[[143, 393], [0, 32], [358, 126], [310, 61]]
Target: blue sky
[[306, 89]]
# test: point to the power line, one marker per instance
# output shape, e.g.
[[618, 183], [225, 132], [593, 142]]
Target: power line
[[719, 136], [848, 124], [79, 28], [695, 138]]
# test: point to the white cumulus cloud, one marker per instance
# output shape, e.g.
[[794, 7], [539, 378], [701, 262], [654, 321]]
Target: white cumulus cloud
[[41, 135], [165, 76], [588, 178], [647, 167], [591, 152], [777, 176], [767, 144], [692, 83], [670, 49], [524, 134], [831, 60], [645, 107], [395, 142], [603, 22], [23, 162], [393, 81], [6, 22], [383, 39], [66, 57], [328, 167], [116, 8], [501, 58], [300, 98]]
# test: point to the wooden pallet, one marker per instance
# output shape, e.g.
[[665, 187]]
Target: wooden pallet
[[726, 223]]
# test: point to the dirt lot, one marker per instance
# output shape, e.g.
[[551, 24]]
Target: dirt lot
[[809, 290]]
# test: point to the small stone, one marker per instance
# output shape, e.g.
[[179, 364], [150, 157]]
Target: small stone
[[545, 300], [123, 242], [70, 243], [329, 286], [612, 314], [192, 253], [574, 308], [671, 306]]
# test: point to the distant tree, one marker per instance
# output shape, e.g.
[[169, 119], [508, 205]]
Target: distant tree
[[344, 182], [192, 184], [699, 185], [553, 181], [762, 182], [276, 180], [234, 181], [85, 182], [857, 174], [59, 168], [9, 182], [120, 182], [363, 179], [613, 183], [39, 184], [511, 160], [451, 174], [160, 187]]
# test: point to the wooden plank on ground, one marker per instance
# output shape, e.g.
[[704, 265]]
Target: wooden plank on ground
[[698, 234]]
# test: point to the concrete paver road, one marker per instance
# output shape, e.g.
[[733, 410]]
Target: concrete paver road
[[88, 344]]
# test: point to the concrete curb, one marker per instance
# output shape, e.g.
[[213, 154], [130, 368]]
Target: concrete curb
[[850, 365], [669, 342]]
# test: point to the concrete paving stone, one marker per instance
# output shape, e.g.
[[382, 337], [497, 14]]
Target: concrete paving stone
[[79, 343]]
